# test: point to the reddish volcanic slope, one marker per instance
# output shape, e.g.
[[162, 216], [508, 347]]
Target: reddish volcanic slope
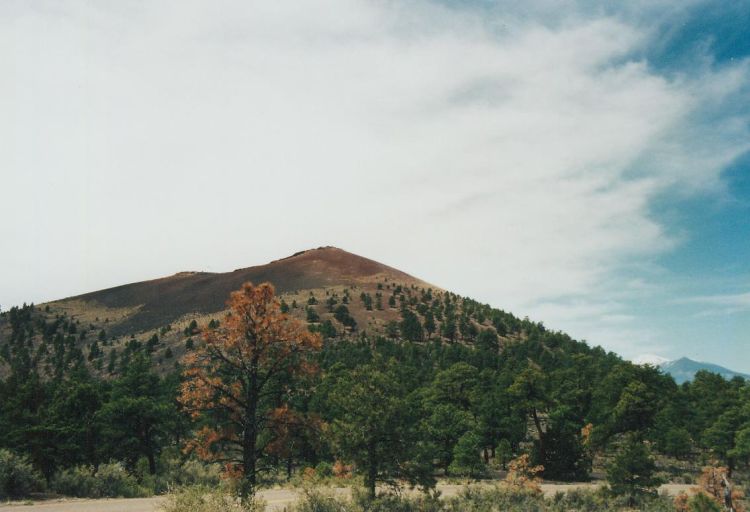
[[164, 300]]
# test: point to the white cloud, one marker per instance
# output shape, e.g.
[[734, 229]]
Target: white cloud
[[507, 158], [722, 304]]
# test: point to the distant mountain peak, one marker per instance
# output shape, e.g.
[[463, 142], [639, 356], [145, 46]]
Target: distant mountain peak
[[684, 369], [651, 359]]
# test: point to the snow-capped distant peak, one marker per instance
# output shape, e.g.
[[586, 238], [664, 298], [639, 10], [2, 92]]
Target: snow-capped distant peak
[[651, 359]]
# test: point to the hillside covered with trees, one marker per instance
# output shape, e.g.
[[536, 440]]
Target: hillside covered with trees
[[382, 380]]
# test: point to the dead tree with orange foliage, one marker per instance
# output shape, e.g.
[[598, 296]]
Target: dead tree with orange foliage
[[714, 483], [240, 381], [522, 476]]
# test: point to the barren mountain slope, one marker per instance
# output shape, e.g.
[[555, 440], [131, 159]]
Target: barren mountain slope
[[148, 305], [339, 294]]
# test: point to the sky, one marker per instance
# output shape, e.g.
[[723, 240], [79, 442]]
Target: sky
[[581, 163]]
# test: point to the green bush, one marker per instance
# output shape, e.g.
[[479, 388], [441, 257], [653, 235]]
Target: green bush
[[203, 499], [194, 472], [174, 472], [18, 478], [77, 481], [315, 500], [108, 481], [478, 499], [395, 503], [702, 503], [324, 469], [579, 500]]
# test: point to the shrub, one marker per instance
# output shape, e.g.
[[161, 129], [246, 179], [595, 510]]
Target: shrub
[[505, 499], [78, 482], [472, 499], [317, 501], [476, 499], [710, 483], [324, 469], [202, 499], [341, 470], [702, 503], [18, 478], [523, 476], [579, 500], [194, 472], [108, 481], [174, 472], [397, 503]]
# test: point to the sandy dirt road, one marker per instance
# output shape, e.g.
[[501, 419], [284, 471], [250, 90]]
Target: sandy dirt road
[[276, 499]]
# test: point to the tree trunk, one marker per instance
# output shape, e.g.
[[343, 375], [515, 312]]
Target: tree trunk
[[248, 462], [249, 439], [372, 472], [147, 447], [151, 461], [542, 448], [447, 461]]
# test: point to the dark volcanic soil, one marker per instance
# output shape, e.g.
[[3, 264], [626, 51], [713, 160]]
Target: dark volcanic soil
[[166, 299]]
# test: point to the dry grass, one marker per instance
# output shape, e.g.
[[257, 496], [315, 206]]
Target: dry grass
[[91, 312]]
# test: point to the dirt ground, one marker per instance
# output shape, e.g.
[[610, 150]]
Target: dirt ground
[[276, 499]]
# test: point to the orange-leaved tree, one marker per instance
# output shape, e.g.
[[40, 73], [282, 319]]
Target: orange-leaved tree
[[238, 384], [712, 483], [523, 476]]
